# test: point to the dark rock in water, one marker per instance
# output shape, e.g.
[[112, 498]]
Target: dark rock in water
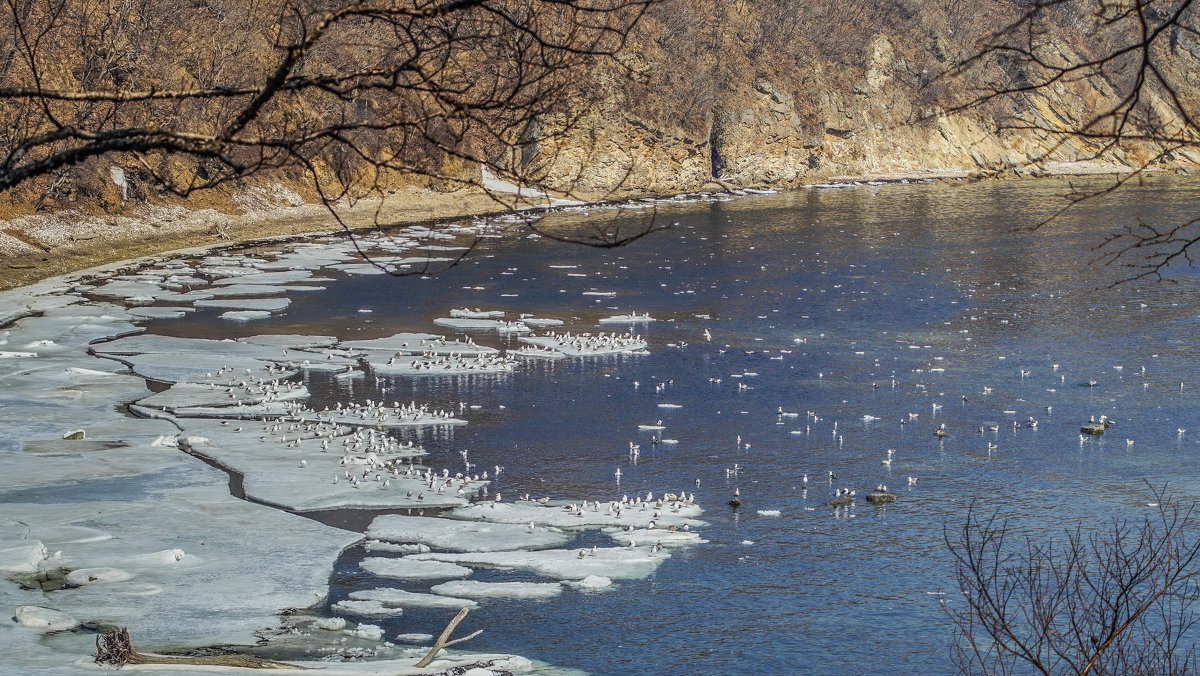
[[1093, 428], [735, 503], [880, 498], [841, 502]]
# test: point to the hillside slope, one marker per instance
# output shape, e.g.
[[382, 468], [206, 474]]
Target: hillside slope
[[770, 92]]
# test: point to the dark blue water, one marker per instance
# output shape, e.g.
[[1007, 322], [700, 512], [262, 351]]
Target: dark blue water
[[874, 301]]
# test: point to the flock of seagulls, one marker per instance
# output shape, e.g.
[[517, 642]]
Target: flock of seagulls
[[454, 361]]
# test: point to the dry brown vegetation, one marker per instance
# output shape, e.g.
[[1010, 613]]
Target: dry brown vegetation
[[198, 103], [337, 99], [344, 98]]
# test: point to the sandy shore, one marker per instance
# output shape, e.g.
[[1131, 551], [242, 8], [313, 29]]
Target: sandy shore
[[33, 248]]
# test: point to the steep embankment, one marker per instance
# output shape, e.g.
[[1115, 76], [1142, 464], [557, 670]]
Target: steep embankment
[[776, 92], [785, 93]]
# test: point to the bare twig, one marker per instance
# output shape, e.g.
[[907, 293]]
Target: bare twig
[[443, 641]]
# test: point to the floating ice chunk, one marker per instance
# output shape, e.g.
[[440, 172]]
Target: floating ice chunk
[[467, 313], [513, 327], [464, 324], [463, 536], [670, 406], [560, 515], [768, 512], [539, 323], [370, 632], [290, 342], [419, 343], [411, 569], [512, 590], [357, 268], [533, 352], [159, 312], [245, 304], [392, 599], [417, 261], [330, 623], [620, 563], [588, 345], [414, 638], [281, 277], [84, 576], [437, 365], [590, 582], [380, 546], [44, 619], [250, 290], [138, 291], [648, 536], [365, 609], [627, 319]]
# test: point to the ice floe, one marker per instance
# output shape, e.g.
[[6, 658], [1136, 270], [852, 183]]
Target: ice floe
[[617, 563], [439, 365], [245, 304], [585, 514], [464, 536], [467, 313], [586, 344], [412, 569], [630, 318], [385, 601], [474, 589], [160, 312], [420, 344]]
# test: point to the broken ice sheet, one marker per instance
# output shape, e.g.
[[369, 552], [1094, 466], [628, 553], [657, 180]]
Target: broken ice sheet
[[389, 600], [419, 343], [241, 304], [617, 563], [561, 515], [276, 470], [410, 569], [463, 536], [474, 589]]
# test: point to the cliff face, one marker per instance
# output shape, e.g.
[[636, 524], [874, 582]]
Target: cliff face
[[773, 93], [769, 92]]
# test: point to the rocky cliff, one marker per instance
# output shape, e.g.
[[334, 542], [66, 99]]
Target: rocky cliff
[[766, 93], [785, 93]]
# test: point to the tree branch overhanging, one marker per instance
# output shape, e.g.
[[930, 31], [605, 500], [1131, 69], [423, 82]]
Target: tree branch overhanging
[[359, 98], [1123, 96]]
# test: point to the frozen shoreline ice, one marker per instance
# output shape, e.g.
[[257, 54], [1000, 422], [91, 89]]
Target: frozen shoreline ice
[[160, 545]]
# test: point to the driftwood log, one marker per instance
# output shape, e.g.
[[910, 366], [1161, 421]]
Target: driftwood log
[[115, 647], [444, 641]]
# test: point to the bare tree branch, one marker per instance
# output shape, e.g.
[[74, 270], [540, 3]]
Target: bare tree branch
[[1129, 82]]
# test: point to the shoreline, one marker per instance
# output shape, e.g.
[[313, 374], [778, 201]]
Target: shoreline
[[38, 248]]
